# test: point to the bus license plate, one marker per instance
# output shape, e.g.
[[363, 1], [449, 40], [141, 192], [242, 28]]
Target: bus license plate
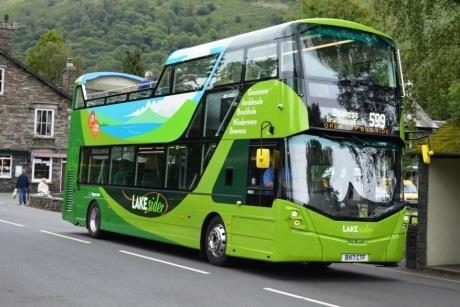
[[355, 257]]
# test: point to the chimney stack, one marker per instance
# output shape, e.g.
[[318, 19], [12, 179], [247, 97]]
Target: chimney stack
[[6, 34], [68, 76]]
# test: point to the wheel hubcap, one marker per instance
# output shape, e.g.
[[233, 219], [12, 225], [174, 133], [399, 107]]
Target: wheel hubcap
[[217, 240], [93, 220]]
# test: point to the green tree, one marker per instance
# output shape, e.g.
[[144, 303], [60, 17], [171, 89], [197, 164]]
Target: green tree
[[428, 35], [454, 100], [353, 10], [132, 63], [49, 55]]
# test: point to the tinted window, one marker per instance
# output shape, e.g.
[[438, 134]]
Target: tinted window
[[183, 166], [122, 166], [150, 167], [262, 62], [164, 85], [230, 68], [192, 75], [217, 108], [95, 166]]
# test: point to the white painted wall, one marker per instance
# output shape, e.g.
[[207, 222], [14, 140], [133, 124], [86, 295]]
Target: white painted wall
[[443, 220]]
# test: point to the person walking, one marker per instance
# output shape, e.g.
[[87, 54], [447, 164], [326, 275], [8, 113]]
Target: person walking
[[22, 184]]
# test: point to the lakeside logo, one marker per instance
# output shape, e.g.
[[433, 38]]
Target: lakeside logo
[[151, 203], [357, 229]]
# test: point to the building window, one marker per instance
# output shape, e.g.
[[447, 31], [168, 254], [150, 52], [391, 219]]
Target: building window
[[5, 166], [2, 80], [44, 122], [41, 168]]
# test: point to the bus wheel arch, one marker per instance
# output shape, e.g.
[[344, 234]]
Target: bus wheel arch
[[214, 240], [93, 220]]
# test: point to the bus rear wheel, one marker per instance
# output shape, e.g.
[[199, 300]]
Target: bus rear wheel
[[94, 221], [216, 242]]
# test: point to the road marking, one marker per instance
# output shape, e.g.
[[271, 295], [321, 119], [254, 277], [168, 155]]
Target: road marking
[[65, 237], [164, 262], [11, 223], [410, 273], [301, 297]]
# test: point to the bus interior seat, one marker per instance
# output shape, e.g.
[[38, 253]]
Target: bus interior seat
[[123, 178], [147, 179]]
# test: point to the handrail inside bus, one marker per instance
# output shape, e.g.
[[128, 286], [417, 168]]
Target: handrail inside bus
[[112, 92]]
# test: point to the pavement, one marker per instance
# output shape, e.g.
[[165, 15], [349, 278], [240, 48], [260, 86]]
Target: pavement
[[448, 271]]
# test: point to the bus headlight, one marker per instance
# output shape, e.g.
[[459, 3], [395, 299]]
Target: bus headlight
[[295, 218]]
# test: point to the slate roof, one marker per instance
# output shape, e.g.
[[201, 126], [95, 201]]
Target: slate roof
[[37, 76]]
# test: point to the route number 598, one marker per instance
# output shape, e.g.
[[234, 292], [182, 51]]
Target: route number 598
[[377, 120]]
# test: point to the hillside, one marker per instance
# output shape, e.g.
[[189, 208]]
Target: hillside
[[100, 31]]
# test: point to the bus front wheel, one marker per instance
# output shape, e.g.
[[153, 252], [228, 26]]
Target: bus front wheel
[[94, 221], [216, 242]]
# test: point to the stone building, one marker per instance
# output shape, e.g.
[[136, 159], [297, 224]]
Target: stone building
[[34, 122]]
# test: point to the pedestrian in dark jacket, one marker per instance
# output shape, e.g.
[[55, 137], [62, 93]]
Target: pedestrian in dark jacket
[[22, 184]]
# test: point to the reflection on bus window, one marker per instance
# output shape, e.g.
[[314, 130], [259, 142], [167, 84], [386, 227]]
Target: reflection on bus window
[[217, 108], [262, 62], [192, 75], [347, 55], [230, 68], [289, 59], [344, 178], [183, 165], [164, 85], [95, 166], [150, 167], [122, 166]]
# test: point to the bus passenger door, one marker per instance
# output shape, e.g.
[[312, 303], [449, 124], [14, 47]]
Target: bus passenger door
[[262, 182]]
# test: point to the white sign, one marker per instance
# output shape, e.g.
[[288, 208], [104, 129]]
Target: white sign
[[17, 170]]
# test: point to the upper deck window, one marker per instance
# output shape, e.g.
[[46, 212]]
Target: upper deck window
[[164, 85], [289, 60], [230, 68], [351, 80], [79, 102], [262, 62], [192, 75], [341, 54]]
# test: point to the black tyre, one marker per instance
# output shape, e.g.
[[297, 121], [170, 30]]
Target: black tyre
[[216, 242], [318, 266], [93, 221]]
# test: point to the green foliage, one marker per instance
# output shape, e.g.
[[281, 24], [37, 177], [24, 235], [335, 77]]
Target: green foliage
[[101, 31], [132, 63], [429, 38], [48, 57], [454, 100], [353, 10]]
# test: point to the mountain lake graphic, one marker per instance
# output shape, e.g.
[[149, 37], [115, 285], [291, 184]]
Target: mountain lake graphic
[[129, 130]]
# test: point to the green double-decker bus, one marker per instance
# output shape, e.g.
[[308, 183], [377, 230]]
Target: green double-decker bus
[[282, 145]]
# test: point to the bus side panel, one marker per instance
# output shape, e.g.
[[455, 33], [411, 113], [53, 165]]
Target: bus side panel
[[73, 153]]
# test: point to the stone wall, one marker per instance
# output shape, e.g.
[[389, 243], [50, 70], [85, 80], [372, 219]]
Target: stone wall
[[423, 174], [47, 203], [24, 92]]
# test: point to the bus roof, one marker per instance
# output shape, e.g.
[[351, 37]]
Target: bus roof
[[278, 31], [92, 76]]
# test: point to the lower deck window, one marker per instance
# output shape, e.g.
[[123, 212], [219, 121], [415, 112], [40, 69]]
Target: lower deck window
[[5, 166], [41, 168]]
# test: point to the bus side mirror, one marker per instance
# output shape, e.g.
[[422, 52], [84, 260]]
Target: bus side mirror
[[263, 158], [426, 154]]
